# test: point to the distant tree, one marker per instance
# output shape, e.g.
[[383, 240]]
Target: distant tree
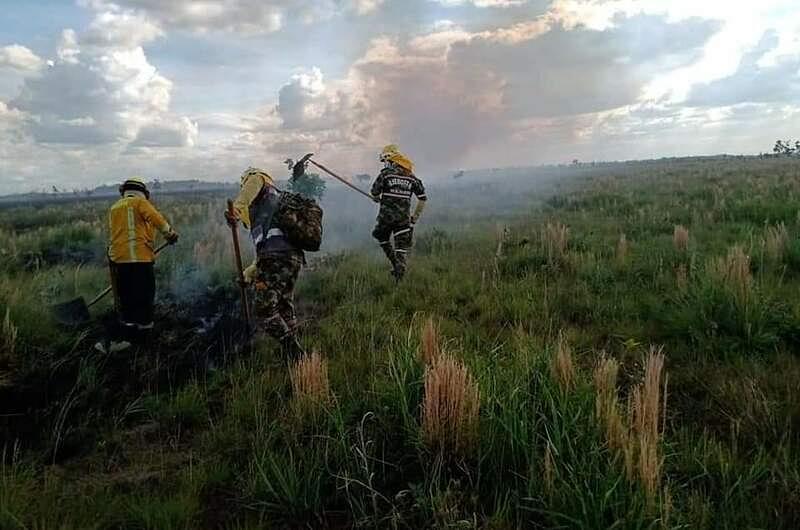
[[309, 185], [156, 184], [363, 177], [458, 174], [786, 148], [575, 162]]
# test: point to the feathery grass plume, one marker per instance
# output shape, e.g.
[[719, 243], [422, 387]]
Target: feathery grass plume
[[775, 241], [648, 407], [733, 271], [8, 347], [9, 336], [310, 387], [549, 467], [680, 238], [555, 238], [607, 408], [681, 277], [450, 406], [561, 366], [622, 249], [430, 348]]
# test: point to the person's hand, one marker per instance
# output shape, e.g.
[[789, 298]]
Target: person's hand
[[413, 220], [376, 199], [250, 273], [171, 237], [231, 219]]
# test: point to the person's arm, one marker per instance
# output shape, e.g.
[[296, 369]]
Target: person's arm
[[154, 217], [250, 189], [422, 200], [377, 187]]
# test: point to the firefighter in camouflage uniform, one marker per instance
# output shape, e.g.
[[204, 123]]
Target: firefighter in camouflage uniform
[[277, 265], [393, 189]]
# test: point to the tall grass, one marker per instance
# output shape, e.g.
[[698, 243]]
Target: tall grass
[[450, 406], [555, 240], [310, 385], [680, 238]]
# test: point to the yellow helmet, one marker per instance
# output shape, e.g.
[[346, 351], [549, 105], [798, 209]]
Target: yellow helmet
[[254, 171], [135, 184], [388, 151], [391, 155]]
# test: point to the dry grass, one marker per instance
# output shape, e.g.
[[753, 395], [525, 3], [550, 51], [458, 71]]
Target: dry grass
[[622, 250], [681, 277], [450, 406], [561, 365], [607, 407], [680, 238], [648, 403], [555, 239], [733, 271], [775, 241], [310, 386], [8, 348], [430, 347], [637, 438], [549, 468]]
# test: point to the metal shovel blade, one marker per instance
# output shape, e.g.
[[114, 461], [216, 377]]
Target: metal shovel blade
[[72, 313]]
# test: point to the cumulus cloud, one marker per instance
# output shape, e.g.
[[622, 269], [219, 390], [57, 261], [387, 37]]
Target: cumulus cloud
[[20, 58], [753, 82], [102, 89], [241, 16], [182, 133], [483, 3]]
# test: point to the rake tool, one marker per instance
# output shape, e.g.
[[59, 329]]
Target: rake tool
[[239, 269], [298, 170]]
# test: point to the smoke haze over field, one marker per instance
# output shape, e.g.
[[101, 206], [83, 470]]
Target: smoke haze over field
[[95, 90]]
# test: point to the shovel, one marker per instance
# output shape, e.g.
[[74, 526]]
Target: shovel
[[76, 312]]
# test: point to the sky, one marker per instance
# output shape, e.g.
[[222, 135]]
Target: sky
[[94, 91]]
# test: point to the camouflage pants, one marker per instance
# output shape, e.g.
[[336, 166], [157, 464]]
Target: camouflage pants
[[274, 293], [394, 224]]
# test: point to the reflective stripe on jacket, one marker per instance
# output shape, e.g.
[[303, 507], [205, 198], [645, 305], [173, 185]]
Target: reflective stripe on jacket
[[133, 222]]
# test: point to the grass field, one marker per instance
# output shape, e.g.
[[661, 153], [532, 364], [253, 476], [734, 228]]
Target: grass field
[[589, 347]]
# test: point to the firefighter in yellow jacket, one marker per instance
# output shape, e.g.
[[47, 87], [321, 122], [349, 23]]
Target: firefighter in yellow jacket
[[133, 222]]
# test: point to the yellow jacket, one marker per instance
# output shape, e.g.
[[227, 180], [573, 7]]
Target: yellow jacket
[[133, 222], [250, 188]]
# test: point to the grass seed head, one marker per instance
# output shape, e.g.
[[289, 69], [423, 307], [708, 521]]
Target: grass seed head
[[680, 238], [430, 348], [555, 240], [310, 386], [450, 407], [775, 241], [561, 366]]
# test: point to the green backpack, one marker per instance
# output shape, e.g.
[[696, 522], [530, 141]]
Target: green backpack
[[300, 218]]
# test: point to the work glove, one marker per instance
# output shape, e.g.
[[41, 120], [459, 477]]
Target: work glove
[[414, 220], [250, 273], [231, 219], [171, 237], [376, 199]]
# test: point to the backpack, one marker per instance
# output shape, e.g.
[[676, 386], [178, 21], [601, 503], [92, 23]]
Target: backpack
[[300, 218]]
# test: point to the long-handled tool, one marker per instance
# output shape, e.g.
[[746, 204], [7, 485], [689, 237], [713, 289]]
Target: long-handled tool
[[76, 312], [300, 165], [239, 268]]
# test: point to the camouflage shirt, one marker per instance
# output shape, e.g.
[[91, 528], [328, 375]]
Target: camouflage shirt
[[394, 187]]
